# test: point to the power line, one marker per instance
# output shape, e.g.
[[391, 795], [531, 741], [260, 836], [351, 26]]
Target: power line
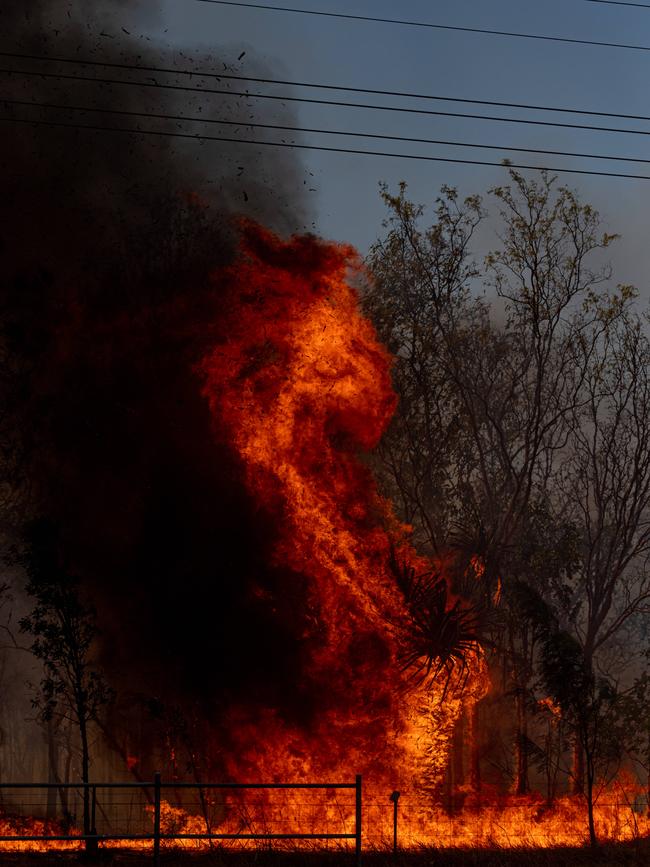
[[401, 93], [620, 3], [292, 145], [314, 101], [430, 25], [299, 129]]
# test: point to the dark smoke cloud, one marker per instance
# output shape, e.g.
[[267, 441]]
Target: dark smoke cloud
[[107, 242]]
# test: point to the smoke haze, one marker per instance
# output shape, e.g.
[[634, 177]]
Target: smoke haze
[[108, 240]]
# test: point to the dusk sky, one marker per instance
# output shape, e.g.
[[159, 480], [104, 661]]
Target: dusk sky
[[342, 189], [365, 54]]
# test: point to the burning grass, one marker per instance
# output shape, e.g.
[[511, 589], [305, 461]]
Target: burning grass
[[520, 825]]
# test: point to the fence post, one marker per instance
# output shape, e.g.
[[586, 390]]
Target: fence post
[[357, 823], [395, 798], [156, 819], [92, 844], [93, 811]]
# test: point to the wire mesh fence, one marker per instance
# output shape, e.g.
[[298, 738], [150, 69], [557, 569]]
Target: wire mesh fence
[[405, 822], [157, 814]]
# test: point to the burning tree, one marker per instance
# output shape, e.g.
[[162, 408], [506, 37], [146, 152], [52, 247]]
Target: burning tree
[[63, 631]]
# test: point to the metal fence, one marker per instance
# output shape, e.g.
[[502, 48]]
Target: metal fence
[[154, 815], [407, 822], [103, 795]]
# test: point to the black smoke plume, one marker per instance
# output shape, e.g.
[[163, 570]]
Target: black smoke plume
[[107, 242]]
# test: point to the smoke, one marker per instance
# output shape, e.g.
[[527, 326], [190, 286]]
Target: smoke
[[108, 240]]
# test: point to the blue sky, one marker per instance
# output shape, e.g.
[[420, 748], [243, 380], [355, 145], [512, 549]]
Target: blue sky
[[374, 55]]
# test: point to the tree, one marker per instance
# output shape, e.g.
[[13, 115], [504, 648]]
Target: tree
[[489, 401], [419, 300], [482, 407], [63, 631], [604, 484], [542, 557], [591, 704], [606, 480]]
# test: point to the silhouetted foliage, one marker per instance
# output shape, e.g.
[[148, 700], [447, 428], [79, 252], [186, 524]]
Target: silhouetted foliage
[[441, 632], [63, 630]]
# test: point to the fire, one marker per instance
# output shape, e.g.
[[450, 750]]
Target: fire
[[512, 822], [551, 706], [301, 385], [19, 826]]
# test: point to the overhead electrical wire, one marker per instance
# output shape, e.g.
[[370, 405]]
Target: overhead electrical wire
[[621, 3], [301, 146], [314, 101], [200, 73], [298, 129], [430, 25]]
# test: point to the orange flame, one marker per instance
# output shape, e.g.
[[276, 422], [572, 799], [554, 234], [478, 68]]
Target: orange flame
[[301, 385]]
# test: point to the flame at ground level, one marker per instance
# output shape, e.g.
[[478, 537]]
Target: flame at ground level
[[515, 822]]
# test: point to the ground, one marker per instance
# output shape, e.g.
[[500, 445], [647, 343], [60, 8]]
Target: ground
[[616, 856]]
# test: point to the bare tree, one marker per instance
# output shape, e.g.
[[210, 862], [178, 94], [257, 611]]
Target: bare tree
[[63, 633], [485, 407], [604, 485], [419, 296]]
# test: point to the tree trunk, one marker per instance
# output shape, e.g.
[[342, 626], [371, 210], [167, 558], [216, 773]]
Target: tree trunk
[[456, 767], [459, 762], [578, 785], [648, 777], [474, 759], [449, 782], [52, 769], [551, 761], [593, 840], [63, 792], [522, 786], [85, 770]]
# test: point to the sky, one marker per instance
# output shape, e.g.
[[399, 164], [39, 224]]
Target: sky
[[343, 188]]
